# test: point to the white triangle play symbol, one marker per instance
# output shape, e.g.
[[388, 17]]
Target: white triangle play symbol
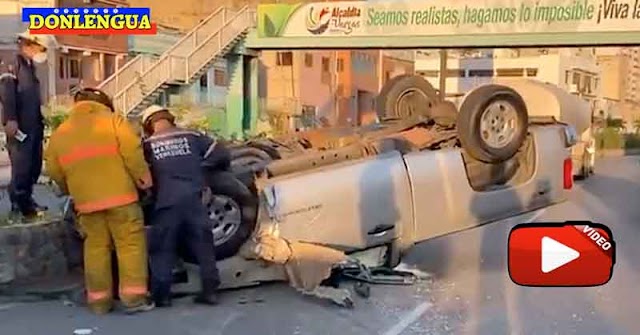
[[556, 254]]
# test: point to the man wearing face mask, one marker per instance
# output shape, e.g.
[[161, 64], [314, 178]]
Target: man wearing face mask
[[22, 119]]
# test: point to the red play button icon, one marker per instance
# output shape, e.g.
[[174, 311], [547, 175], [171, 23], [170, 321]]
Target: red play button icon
[[561, 254]]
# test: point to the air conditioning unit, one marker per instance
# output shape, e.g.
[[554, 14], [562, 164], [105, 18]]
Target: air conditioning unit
[[573, 89]]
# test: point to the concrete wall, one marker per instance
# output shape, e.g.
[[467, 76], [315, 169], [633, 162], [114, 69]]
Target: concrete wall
[[304, 83], [392, 67], [315, 91], [359, 81]]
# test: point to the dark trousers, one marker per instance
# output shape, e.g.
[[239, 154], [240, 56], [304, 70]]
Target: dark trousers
[[26, 166], [187, 224]]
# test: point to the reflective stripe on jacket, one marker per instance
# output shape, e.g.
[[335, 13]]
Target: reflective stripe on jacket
[[97, 158]]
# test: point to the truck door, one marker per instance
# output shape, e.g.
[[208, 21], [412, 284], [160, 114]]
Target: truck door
[[349, 206]]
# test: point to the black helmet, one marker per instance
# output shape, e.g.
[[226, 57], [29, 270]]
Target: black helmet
[[93, 94]]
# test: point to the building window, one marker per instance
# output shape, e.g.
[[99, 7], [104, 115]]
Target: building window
[[308, 116], [480, 73], [219, 77], [567, 76], [325, 64], [576, 79], [387, 75], [284, 58], [308, 60], [61, 68], [532, 72], [516, 72], [204, 81], [587, 85], [340, 65], [74, 68], [109, 65]]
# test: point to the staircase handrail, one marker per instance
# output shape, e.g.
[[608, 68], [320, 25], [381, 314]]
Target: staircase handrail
[[168, 51], [115, 74], [218, 34], [166, 56], [113, 77]]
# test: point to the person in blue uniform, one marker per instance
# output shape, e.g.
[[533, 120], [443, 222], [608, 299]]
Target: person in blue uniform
[[177, 158], [22, 119]]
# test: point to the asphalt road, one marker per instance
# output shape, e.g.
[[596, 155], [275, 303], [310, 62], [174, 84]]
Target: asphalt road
[[469, 293]]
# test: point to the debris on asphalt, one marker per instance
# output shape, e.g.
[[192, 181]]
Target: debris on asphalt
[[306, 265], [419, 274], [341, 297], [4, 307]]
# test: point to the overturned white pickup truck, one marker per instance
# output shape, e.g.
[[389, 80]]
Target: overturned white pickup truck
[[425, 170]]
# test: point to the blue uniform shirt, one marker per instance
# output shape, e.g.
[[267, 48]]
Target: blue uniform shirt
[[176, 158], [20, 94]]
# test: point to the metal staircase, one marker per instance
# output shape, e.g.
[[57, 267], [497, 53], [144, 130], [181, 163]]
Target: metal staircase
[[142, 80]]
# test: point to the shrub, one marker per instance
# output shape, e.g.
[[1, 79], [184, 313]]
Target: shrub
[[54, 115], [609, 138], [632, 141]]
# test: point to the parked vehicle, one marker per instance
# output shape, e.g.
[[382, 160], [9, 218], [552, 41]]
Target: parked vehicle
[[553, 101]]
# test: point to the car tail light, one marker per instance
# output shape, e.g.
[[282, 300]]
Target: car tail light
[[568, 174]]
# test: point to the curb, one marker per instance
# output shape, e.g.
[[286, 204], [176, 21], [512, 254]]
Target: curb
[[618, 152], [69, 289]]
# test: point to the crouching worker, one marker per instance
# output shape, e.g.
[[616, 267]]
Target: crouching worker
[[96, 157], [177, 158]]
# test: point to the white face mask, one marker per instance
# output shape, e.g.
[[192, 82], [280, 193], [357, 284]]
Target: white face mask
[[39, 58]]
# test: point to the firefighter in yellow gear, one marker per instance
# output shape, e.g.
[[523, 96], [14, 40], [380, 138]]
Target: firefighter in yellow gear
[[96, 157]]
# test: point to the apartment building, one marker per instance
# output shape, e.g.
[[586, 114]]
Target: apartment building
[[395, 63], [575, 70], [321, 87], [621, 82], [82, 60], [631, 58], [299, 86]]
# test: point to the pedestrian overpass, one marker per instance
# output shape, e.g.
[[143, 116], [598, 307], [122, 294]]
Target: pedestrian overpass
[[239, 35]]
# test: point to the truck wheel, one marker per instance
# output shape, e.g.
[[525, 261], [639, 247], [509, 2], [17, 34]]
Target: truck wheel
[[492, 123], [405, 96], [233, 211]]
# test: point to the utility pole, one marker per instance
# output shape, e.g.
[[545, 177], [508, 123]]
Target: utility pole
[[380, 69], [443, 74]]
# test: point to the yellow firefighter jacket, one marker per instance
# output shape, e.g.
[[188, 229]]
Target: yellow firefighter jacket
[[96, 157]]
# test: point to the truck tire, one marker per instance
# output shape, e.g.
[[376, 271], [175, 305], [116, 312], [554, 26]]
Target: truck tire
[[405, 96], [233, 210], [492, 123]]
